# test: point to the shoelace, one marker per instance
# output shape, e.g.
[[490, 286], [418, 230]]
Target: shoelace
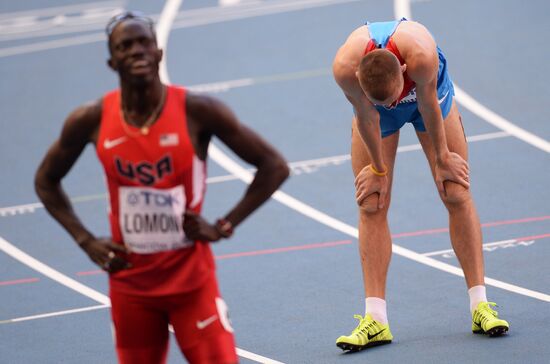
[[364, 329], [487, 313]]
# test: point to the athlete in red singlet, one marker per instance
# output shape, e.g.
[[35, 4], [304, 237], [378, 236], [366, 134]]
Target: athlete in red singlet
[[152, 140]]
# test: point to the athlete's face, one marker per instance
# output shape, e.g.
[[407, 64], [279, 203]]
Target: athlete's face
[[134, 52]]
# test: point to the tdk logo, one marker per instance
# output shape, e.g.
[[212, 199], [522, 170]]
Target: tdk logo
[[150, 198]]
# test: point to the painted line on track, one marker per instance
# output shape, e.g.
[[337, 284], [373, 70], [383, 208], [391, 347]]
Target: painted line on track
[[51, 273], [233, 167], [528, 240], [297, 168], [338, 243], [164, 25], [54, 314], [184, 19], [402, 8], [19, 281]]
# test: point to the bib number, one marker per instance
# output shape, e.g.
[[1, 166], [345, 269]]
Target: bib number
[[151, 219]]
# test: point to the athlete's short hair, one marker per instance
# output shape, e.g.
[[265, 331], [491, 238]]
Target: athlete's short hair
[[128, 15], [379, 73]]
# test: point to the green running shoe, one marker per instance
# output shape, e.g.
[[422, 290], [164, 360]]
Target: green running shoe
[[367, 334], [485, 320]]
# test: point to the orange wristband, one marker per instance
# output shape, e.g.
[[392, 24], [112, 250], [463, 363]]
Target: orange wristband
[[379, 174]]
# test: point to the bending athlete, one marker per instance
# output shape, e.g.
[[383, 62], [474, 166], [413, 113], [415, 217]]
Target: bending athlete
[[393, 73]]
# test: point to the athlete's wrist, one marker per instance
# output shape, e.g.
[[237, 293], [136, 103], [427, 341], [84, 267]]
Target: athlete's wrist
[[224, 227], [381, 172]]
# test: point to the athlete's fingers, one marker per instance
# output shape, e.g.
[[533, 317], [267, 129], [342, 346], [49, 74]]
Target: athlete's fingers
[[360, 197], [441, 188], [118, 247], [117, 264], [382, 199], [464, 182]]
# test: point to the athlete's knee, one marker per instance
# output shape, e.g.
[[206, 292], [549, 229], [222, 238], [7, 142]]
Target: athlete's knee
[[369, 208], [455, 195]]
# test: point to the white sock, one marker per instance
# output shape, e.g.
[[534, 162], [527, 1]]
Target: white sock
[[376, 307], [477, 294]]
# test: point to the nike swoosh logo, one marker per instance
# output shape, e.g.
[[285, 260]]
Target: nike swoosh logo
[[375, 335], [202, 324], [443, 98], [108, 144]]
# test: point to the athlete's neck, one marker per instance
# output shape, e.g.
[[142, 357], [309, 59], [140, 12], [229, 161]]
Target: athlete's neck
[[138, 102]]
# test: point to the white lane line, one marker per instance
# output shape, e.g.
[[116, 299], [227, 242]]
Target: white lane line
[[52, 11], [52, 44], [185, 19], [51, 273], [163, 28], [402, 8], [231, 166], [164, 24], [493, 118], [228, 2], [486, 247], [53, 314], [59, 277], [297, 168]]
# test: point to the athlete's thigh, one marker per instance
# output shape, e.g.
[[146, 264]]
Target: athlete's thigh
[[141, 330], [454, 133], [202, 326], [360, 157], [456, 142]]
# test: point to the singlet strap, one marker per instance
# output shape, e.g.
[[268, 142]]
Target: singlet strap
[[381, 32]]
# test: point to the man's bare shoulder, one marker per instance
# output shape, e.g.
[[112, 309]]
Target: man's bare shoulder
[[413, 39], [82, 123], [200, 105], [349, 56], [89, 112]]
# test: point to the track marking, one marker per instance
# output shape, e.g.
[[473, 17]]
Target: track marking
[[164, 25], [19, 281], [231, 166], [57, 20], [402, 8], [53, 314], [283, 250], [185, 19], [297, 168], [51, 273], [488, 247]]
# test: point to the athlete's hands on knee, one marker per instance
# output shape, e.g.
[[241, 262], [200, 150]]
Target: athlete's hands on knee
[[371, 190], [106, 253], [451, 167], [197, 228]]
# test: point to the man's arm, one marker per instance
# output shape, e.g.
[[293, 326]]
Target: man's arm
[[367, 120], [79, 129], [344, 69], [423, 70], [216, 119]]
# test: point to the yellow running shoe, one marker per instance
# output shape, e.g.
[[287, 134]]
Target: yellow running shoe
[[367, 334], [485, 320]]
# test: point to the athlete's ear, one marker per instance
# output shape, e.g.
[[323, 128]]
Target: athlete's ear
[[357, 74], [160, 55], [111, 64], [403, 68]]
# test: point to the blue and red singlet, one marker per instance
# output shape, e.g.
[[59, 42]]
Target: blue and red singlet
[[405, 108]]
